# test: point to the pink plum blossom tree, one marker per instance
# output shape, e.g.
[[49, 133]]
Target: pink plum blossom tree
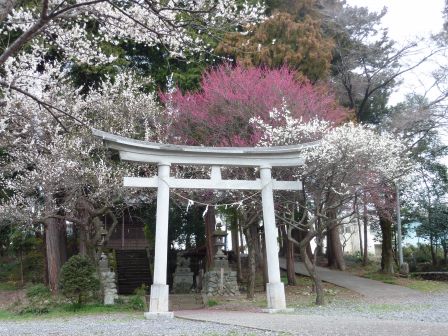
[[219, 114]]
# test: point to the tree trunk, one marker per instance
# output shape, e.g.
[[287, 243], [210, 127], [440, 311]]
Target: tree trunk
[[445, 251], [281, 243], [361, 251], [290, 263], [336, 259], [365, 257], [22, 281], [44, 253], [319, 249], [309, 251], [257, 246], [387, 256], [289, 254], [299, 236], [336, 255], [433, 252], [210, 225], [82, 243], [82, 229], [63, 242], [52, 243], [236, 247], [314, 275], [265, 265], [252, 264]]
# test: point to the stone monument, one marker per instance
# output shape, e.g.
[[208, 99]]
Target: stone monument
[[107, 281], [404, 269], [183, 277]]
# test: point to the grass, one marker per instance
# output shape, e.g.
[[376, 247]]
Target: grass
[[67, 310], [212, 303], [6, 315], [371, 272], [427, 286], [378, 276], [8, 286]]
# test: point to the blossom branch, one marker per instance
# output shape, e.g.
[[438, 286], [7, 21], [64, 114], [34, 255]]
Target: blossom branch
[[46, 105]]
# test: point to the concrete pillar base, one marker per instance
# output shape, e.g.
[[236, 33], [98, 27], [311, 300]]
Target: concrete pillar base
[[276, 295], [158, 300], [275, 311], [157, 315]]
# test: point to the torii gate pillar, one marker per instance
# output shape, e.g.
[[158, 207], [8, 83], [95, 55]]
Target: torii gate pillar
[[275, 290], [158, 303]]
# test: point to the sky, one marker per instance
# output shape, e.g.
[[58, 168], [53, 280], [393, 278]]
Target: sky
[[407, 18], [406, 21]]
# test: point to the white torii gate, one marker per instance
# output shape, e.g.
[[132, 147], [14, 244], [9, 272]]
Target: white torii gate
[[166, 154]]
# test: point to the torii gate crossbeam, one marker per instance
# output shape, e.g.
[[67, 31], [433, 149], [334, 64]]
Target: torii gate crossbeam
[[164, 155]]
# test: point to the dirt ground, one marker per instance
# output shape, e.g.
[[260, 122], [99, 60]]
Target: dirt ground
[[296, 296], [7, 298]]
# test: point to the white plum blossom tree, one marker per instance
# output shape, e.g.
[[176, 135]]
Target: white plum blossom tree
[[55, 170], [54, 35], [55, 175], [346, 160], [169, 23]]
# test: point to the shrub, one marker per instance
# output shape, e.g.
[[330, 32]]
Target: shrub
[[136, 303], [77, 280], [212, 303], [39, 300], [138, 300], [38, 291]]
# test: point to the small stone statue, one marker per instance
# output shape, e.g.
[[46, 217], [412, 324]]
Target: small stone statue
[[107, 281], [183, 277]]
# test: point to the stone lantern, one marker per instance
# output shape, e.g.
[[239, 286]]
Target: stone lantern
[[219, 236], [220, 280]]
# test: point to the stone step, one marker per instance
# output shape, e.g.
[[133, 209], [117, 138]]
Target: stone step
[[132, 270]]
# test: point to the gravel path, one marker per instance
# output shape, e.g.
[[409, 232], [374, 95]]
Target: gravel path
[[389, 313], [427, 315], [120, 325], [314, 325], [424, 308]]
